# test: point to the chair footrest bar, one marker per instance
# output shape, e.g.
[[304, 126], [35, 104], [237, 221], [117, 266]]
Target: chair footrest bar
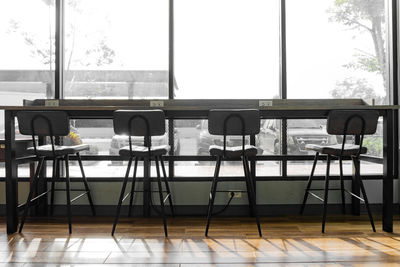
[[77, 197], [39, 196], [127, 195], [316, 196], [21, 206], [168, 196], [354, 195], [34, 199]]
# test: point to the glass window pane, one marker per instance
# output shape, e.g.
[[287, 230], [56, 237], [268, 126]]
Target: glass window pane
[[194, 139], [337, 49], [269, 138], [226, 49], [313, 131], [100, 136], [309, 131], [116, 49], [26, 51]]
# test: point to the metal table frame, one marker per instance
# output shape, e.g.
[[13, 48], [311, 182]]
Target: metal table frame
[[390, 169]]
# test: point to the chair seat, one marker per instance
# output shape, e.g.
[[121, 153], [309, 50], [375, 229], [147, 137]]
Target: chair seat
[[233, 151], [335, 150], [47, 151], [143, 151]]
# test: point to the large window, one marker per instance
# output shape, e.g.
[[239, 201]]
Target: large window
[[337, 49], [215, 49], [226, 48], [222, 49], [26, 51], [116, 49]]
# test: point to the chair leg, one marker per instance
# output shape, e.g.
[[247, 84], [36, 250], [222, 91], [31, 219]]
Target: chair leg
[[87, 188], [251, 193], [309, 184], [365, 196], [133, 187], [342, 186], [121, 196], [326, 190], [163, 168], [171, 205], [68, 192], [55, 166], [212, 193], [31, 190], [161, 197]]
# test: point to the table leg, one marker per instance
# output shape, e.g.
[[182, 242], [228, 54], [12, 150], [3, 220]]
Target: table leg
[[388, 153], [11, 173], [355, 185], [146, 186], [253, 173], [41, 208]]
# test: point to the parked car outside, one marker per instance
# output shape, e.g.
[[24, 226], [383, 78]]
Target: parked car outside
[[299, 134], [119, 141], [205, 140]]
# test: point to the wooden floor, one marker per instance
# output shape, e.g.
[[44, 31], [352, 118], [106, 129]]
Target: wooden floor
[[287, 241]]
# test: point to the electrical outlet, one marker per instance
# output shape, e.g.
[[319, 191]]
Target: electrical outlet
[[156, 103], [52, 103], [265, 103], [237, 194]]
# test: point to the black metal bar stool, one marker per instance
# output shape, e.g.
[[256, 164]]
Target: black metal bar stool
[[51, 124], [343, 122], [144, 123], [239, 122]]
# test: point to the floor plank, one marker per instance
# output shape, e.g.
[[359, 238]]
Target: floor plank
[[287, 241]]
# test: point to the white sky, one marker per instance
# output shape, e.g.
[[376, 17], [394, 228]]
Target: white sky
[[223, 48]]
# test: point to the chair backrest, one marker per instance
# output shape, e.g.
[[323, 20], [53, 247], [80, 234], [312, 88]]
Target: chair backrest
[[234, 121], [352, 122], [135, 122], [43, 123]]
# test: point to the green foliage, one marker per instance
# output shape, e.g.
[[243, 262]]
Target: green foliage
[[104, 55], [355, 88], [357, 13], [362, 16], [97, 55], [41, 49], [365, 62], [374, 145]]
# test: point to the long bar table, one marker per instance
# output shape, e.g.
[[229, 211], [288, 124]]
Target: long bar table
[[198, 109]]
